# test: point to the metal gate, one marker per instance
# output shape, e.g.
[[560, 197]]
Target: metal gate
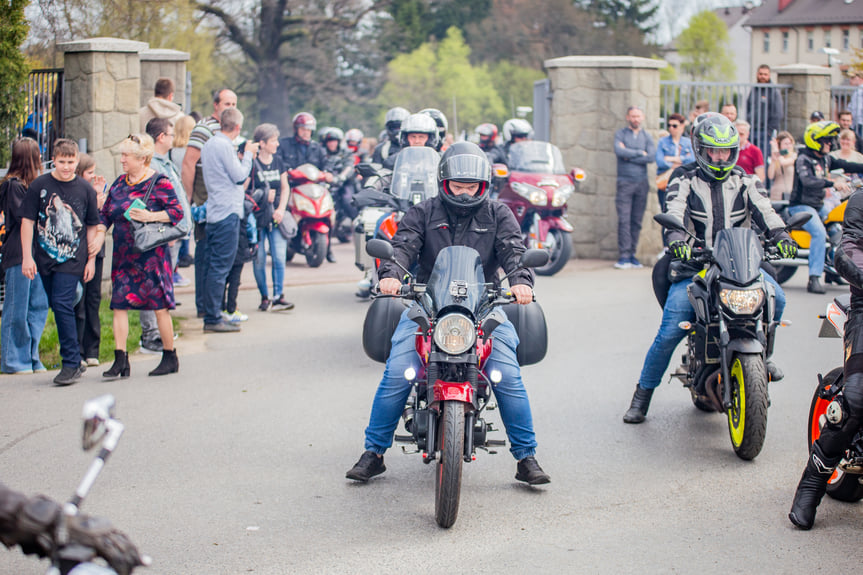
[[43, 118]]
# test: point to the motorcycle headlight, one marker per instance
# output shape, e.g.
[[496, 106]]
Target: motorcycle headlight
[[561, 196], [454, 333], [303, 204], [742, 301], [532, 194]]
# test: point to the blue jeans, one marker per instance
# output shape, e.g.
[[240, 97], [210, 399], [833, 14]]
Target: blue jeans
[[222, 240], [394, 389], [278, 247], [25, 311], [201, 264], [677, 309], [61, 289], [818, 243]]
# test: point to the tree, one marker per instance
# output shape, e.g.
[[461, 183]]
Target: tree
[[704, 48], [14, 70], [639, 13]]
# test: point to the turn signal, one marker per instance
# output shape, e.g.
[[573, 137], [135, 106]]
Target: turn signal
[[685, 325], [785, 323]]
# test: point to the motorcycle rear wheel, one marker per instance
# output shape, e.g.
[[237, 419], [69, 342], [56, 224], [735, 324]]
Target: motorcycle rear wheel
[[559, 255], [449, 464], [842, 486], [316, 252], [747, 418], [784, 273]]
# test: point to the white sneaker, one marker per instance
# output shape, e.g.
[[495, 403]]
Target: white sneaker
[[236, 317], [92, 361], [623, 264]]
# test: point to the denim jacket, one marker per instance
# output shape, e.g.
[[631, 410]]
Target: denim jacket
[[666, 147]]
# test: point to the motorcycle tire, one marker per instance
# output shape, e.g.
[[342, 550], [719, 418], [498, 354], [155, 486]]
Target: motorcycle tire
[[747, 418], [344, 234], [290, 252], [784, 273], [316, 252], [449, 463], [560, 253], [842, 486]]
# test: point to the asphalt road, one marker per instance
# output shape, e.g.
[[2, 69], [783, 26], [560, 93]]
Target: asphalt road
[[236, 465]]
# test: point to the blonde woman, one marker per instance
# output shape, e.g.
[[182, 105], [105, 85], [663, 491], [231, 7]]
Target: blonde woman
[[141, 281], [182, 131], [783, 154]]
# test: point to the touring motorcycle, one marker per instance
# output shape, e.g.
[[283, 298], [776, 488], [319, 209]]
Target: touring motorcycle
[[846, 483], [733, 333], [537, 187], [456, 313]]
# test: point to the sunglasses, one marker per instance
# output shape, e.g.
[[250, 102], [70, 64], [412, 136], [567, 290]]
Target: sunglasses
[[134, 138], [673, 125]]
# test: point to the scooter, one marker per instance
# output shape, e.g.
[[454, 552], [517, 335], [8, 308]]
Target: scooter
[[312, 206], [537, 187], [846, 483], [455, 313]]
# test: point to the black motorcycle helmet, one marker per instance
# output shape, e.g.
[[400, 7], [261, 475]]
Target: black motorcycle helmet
[[464, 162], [393, 121], [715, 131]]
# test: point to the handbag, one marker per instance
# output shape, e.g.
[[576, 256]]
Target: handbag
[[288, 226], [662, 179], [150, 235]]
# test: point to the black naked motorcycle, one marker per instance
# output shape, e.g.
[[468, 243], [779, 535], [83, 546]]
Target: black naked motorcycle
[[846, 483], [733, 332], [456, 313]]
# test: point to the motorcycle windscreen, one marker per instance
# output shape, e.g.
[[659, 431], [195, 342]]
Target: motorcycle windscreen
[[739, 254], [415, 174], [456, 279], [536, 157]]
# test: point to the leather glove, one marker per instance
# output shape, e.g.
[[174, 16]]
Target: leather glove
[[680, 250], [110, 544], [787, 248]]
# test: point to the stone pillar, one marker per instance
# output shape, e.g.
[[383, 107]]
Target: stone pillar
[[102, 96], [590, 96], [810, 91], [162, 63]]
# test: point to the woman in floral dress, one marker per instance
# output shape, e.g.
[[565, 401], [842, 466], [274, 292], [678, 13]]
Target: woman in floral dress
[[141, 281]]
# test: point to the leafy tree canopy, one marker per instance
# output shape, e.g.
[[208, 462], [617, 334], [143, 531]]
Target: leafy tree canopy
[[705, 50], [14, 70]]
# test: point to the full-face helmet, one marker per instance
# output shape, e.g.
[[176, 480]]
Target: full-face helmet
[[714, 131]]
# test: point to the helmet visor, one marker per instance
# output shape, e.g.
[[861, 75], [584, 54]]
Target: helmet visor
[[465, 168]]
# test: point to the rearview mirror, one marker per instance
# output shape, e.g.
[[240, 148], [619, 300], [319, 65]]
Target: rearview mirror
[[798, 220], [669, 222], [534, 258], [97, 412], [366, 169], [380, 249]]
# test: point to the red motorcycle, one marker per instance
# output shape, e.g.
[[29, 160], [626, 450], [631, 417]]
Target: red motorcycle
[[312, 206], [456, 313], [536, 187]]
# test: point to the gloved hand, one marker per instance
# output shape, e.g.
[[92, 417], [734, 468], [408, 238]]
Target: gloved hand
[[680, 250], [787, 248], [111, 544]]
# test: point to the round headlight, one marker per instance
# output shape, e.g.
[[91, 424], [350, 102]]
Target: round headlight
[[742, 301], [454, 333]]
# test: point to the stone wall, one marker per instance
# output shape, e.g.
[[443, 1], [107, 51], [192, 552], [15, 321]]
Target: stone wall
[[810, 91], [590, 96]]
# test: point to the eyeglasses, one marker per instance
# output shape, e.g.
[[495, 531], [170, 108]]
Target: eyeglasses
[[673, 125]]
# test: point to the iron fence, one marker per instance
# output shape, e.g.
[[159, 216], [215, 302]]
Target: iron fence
[[43, 118], [840, 99]]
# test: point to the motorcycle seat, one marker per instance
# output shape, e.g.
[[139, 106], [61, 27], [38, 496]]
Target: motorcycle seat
[[843, 302]]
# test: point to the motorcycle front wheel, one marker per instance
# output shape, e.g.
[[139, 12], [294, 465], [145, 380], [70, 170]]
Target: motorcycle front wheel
[[784, 273], [316, 252], [842, 486], [747, 418], [559, 254], [449, 464]]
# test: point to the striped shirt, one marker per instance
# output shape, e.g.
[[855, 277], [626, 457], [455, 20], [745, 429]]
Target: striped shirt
[[203, 131]]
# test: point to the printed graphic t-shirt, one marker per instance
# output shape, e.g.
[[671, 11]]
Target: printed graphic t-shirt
[[61, 212]]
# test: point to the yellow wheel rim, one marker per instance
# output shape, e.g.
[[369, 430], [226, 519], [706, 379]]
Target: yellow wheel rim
[[737, 413]]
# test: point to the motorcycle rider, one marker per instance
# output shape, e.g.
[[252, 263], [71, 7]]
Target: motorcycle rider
[[300, 149], [442, 126], [811, 177], [516, 130], [693, 195], [353, 141], [417, 130], [337, 161], [393, 122], [459, 215], [487, 134]]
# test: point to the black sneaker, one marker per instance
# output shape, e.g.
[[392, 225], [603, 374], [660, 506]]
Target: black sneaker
[[530, 472], [185, 261], [265, 304], [281, 305], [69, 375], [773, 371], [221, 327], [367, 467]]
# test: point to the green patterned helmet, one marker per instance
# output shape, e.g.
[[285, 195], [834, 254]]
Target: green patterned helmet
[[715, 131]]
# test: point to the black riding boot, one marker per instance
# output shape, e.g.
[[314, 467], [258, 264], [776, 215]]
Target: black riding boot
[[169, 363], [812, 487], [121, 366], [640, 403]]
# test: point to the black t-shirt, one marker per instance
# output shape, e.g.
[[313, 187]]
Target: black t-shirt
[[12, 193], [271, 173], [61, 212]]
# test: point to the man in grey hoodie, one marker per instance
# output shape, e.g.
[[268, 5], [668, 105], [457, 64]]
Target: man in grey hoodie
[[161, 105]]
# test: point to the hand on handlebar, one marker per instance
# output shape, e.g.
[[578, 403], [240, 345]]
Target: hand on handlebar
[[787, 248], [523, 293], [390, 286], [111, 544], [680, 250]]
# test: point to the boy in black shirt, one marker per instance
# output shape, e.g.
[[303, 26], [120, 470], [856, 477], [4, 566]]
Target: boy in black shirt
[[62, 208]]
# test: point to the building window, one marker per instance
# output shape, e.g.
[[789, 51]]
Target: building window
[[766, 47], [785, 41], [846, 40], [810, 41], [828, 41]]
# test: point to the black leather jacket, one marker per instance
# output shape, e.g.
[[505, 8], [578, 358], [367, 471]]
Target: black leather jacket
[[428, 227], [849, 256], [295, 153], [810, 177]]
